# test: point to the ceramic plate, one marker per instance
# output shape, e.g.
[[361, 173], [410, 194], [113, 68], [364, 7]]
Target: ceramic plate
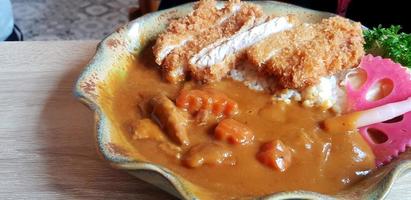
[[111, 56]]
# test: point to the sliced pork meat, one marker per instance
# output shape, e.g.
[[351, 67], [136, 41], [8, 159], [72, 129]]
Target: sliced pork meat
[[206, 43], [217, 59], [182, 30], [176, 62]]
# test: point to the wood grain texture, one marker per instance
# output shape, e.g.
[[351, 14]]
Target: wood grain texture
[[47, 144]]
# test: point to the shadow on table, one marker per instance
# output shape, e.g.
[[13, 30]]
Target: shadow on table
[[72, 163]]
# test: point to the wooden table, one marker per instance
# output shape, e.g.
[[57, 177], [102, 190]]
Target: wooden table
[[47, 145]]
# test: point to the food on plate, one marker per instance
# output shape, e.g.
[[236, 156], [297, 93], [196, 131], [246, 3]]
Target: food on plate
[[276, 155], [208, 154], [171, 119], [367, 117], [390, 43], [186, 37], [321, 50], [233, 132], [208, 41], [207, 101], [386, 89], [245, 104]]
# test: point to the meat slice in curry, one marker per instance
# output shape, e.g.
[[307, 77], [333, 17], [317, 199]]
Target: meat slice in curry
[[170, 118]]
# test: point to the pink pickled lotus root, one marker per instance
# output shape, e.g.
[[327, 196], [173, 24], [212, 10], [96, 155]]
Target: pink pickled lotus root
[[399, 137], [398, 133]]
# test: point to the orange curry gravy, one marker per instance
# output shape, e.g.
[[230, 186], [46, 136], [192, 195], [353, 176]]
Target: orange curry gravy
[[321, 162]]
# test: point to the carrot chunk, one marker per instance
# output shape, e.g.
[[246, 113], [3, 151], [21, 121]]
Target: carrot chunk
[[191, 100], [276, 155], [231, 108], [199, 101], [233, 132], [218, 106]]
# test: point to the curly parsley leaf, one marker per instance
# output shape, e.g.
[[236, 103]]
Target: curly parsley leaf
[[389, 42]]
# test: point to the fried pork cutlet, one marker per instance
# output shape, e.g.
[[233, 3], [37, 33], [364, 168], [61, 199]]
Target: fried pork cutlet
[[181, 30], [314, 51], [207, 42], [175, 65], [215, 61]]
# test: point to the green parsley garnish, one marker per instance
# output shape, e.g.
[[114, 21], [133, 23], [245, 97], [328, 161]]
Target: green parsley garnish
[[389, 42]]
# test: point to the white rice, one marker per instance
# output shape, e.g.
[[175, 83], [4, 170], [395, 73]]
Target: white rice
[[329, 93], [326, 94], [251, 78]]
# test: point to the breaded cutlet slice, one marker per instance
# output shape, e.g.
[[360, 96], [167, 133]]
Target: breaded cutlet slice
[[337, 45], [182, 30], [215, 60], [174, 66]]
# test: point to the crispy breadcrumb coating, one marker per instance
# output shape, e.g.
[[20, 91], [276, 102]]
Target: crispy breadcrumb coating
[[207, 44], [337, 45], [221, 24], [259, 53], [215, 61], [179, 31]]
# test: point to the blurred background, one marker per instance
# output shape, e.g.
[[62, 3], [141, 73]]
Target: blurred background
[[69, 19], [93, 19]]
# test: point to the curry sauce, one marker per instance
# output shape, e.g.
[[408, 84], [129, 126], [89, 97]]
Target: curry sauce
[[319, 161]]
